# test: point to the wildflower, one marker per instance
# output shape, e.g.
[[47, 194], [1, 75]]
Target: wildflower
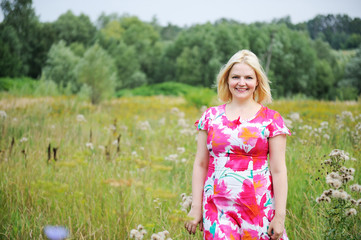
[[23, 139], [160, 236], [89, 145], [288, 122], [138, 233], [162, 121], [115, 142], [101, 147], [339, 154], [80, 118], [3, 114], [355, 188], [144, 126], [181, 150], [56, 232], [174, 110], [351, 212], [295, 117], [326, 136], [182, 123], [324, 125], [358, 203], [134, 153], [186, 202], [172, 157]]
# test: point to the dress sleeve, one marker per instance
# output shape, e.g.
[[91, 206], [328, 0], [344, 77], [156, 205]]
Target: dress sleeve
[[203, 122], [277, 126]]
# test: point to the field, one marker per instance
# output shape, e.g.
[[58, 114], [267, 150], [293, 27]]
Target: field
[[102, 170]]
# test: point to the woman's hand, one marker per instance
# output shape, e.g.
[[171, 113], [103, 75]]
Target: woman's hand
[[195, 215], [276, 227]]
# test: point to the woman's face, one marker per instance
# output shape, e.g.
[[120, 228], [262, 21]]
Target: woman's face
[[242, 81]]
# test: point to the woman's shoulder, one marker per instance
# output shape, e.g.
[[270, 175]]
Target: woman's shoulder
[[215, 110], [270, 113]]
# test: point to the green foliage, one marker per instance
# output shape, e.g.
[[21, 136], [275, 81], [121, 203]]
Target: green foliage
[[201, 97], [353, 72], [18, 85], [96, 69], [60, 66], [71, 28]]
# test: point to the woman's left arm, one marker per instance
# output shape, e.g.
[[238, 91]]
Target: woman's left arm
[[277, 158]]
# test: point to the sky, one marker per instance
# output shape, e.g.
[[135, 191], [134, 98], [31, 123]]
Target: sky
[[190, 12]]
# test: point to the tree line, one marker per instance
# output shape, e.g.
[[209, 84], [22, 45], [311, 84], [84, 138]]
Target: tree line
[[121, 51]]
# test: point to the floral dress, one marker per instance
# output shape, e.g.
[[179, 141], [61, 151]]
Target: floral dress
[[238, 195]]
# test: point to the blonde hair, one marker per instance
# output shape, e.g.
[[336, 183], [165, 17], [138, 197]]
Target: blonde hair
[[262, 93]]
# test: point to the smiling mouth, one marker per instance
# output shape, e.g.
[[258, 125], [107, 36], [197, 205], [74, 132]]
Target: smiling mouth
[[241, 89]]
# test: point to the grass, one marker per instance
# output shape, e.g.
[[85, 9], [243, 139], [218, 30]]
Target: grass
[[105, 191]]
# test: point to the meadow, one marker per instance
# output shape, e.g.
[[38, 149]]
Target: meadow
[[101, 170]]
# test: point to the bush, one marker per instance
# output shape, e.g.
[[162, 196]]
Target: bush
[[200, 97], [13, 84]]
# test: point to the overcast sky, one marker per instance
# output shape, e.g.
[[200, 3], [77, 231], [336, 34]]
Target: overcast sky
[[189, 12]]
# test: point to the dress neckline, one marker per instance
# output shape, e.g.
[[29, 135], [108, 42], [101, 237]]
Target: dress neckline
[[239, 118]]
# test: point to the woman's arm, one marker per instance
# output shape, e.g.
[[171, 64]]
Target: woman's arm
[[200, 168], [277, 156]]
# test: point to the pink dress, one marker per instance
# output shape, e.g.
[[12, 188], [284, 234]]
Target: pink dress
[[238, 195]]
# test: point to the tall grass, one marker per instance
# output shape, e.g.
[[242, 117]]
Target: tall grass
[[100, 189]]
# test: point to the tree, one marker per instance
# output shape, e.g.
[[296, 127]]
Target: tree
[[353, 73], [71, 28], [96, 69], [22, 25], [60, 66]]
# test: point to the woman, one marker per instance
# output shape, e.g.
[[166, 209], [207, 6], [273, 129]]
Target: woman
[[235, 194]]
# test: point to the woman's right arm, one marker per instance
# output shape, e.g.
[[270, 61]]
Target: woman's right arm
[[200, 169]]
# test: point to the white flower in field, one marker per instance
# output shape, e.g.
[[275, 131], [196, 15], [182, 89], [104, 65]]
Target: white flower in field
[[183, 160], [326, 136], [339, 154], [112, 127], [134, 153], [324, 125], [355, 188], [3, 114], [351, 212], [101, 147], [288, 122], [335, 183], [115, 142], [172, 157], [181, 150], [295, 117], [80, 118], [181, 114], [23, 139], [15, 119], [89, 145], [162, 121], [144, 125], [358, 203], [138, 233], [186, 131], [56, 232], [186, 202], [174, 110], [182, 123], [155, 237], [341, 194]]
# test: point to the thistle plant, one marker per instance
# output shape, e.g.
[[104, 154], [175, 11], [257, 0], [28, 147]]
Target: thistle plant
[[340, 207]]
